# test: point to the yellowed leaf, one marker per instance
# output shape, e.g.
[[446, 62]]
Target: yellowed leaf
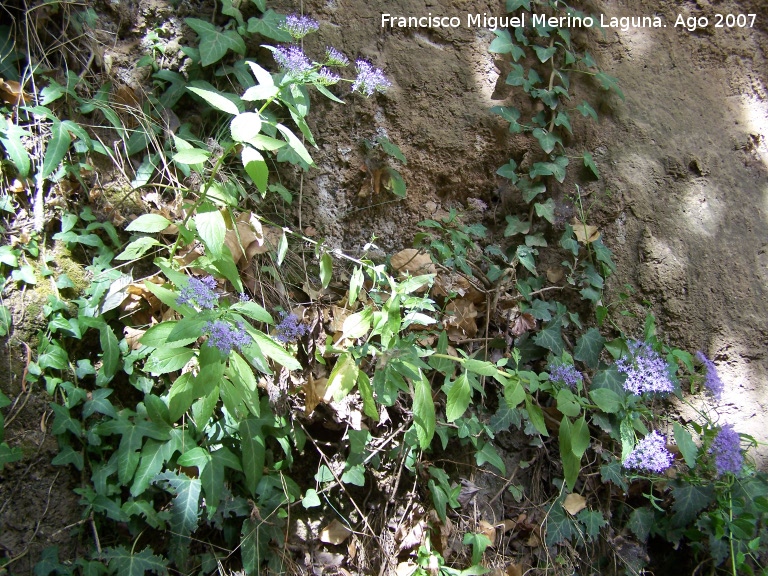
[[584, 232], [507, 525], [554, 275], [574, 503], [335, 533]]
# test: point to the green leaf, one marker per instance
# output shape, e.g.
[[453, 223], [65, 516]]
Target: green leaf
[[606, 399], [57, 148], [295, 144], [214, 44], [126, 563], [326, 269], [614, 473], [254, 451], [184, 511], [503, 44], [587, 110], [217, 100], [391, 149], [366, 393], [154, 455], [525, 255], [396, 182], [560, 525], [245, 126], [423, 411], [551, 338], [489, 454], [556, 168], [282, 249], [641, 522], [536, 416], [514, 393], [567, 403], [357, 325], [593, 521], [14, 146], [590, 163], [479, 543], [110, 358], [343, 378], [579, 437], [212, 230], [509, 171], [256, 167], [311, 499], [588, 348], [547, 140], [563, 120], [269, 26], [687, 447], [271, 349], [355, 284], [252, 310], [263, 77], [609, 83], [459, 394], [545, 210], [516, 226], [137, 248], [165, 360], [242, 376], [191, 156], [355, 475], [544, 53]]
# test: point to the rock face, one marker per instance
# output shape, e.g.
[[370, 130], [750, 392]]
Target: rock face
[[683, 160]]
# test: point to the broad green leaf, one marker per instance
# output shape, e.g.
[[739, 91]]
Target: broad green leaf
[[242, 376], [132, 563], [261, 92], [556, 168], [551, 338], [516, 226], [355, 284], [311, 499], [157, 336], [689, 501], [256, 167], [579, 436], [357, 325], [613, 472], [14, 146], [606, 399], [245, 126], [561, 526], [216, 100], [110, 358], [191, 156], [212, 230], [588, 348], [138, 248], [562, 119], [269, 26], [262, 142], [165, 360], [271, 349], [214, 44], [509, 171], [567, 403], [252, 310], [57, 148], [295, 144], [544, 53], [263, 77], [396, 183], [355, 475], [593, 521], [326, 269], [590, 163], [154, 455], [547, 140], [423, 411], [481, 367], [391, 149], [254, 450], [641, 522], [503, 44], [514, 392], [342, 379], [489, 454], [686, 445], [459, 395], [536, 417], [184, 511], [525, 255], [545, 210]]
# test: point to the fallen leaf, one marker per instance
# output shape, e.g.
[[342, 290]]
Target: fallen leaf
[[584, 232], [335, 533], [12, 93], [132, 336], [554, 275], [574, 503], [507, 525], [522, 323], [406, 568], [314, 390], [514, 570], [412, 261], [488, 530], [461, 314]]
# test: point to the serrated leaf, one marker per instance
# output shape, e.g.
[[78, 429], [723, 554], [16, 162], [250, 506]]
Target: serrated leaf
[[593, 521], [689, 501], [423, 411], [184, 511], [641, 521], [613, 472], [588, 348], [218, 101], [123, 562], [560, 526]]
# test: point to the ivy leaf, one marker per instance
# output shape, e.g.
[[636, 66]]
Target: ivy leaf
[[310, 499], [525, 255], [612, 472], [551, 338], [154, 455], [544, 53], [545, 210], [516, 226], [563, 120], [587, 110], [689, 501], [547, 140], [503, 44], [590, 163], [560, 526], [269, 26], [508, 171], [121, 561], [588, 348], [214, 44], [423, 411], [593, 521], [609, 83], [556, 168], [530, 189]]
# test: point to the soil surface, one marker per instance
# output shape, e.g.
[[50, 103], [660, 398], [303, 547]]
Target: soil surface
[[682, 200]]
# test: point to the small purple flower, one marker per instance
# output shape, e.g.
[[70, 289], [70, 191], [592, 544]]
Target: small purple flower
[[326, 77], [565, 373], [225, 336], [369, 79], [477, 204], [650, 454], [199, 293], [727, 450], [293, 61], [712, 380], [290, 328], [646, 370], [335, 58], [243, 297], [299, 26]]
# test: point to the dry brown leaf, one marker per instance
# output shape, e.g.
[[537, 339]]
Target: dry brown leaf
[[514, 570], [132, 336], [335, 533], [413, 262], [574, 503], [314, 390], [454, 283], [413, 536], [533, 540], [584, 232], [508, 525], [554, 275], [460, 314], [488, 530], [406, 568], [12, 93], [522, 323]]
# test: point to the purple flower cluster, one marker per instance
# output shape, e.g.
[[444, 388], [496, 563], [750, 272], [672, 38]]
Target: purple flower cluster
[[299, 26], [225, 336], [369, 79], [646, 370], [712, 380], [290, 328], [476, 204], [727, 450], [326, 77], [650, 454], [335, 58], [293, 60], [199, 293], [565, 373]]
